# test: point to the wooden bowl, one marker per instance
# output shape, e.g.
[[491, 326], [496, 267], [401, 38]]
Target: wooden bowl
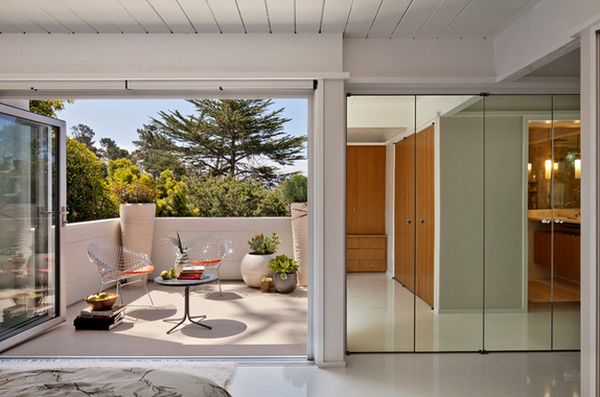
[[103, 304]]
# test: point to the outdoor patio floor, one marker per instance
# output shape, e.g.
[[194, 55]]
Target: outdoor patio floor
[[245, 322]]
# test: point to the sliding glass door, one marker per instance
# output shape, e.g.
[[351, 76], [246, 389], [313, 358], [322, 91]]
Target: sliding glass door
[[31, 223], [482, 220]]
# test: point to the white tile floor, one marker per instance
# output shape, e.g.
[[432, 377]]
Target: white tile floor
[[382, 315], [418, 375]]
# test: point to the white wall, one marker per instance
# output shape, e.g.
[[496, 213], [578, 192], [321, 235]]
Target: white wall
[[82, 275], [237, 230]]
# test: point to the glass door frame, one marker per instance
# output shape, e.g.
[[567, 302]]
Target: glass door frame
[[59, 206]]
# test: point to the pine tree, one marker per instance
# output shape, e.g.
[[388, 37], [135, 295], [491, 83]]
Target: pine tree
[[242, 138], [111, 151]]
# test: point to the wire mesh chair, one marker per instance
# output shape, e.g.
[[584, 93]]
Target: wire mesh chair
[[208, 251], [118, 265]]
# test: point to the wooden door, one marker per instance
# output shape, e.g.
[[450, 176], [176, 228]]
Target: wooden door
[[352, 190], [425, 211], [404, 208], [365, 190]]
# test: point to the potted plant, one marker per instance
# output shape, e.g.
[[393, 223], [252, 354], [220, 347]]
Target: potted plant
[[181, 259], [285, 277], [136, 194], [266, 283], [255, 264], [296, 192]]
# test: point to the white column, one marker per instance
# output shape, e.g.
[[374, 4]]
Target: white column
[[329, 202], [589, 211]]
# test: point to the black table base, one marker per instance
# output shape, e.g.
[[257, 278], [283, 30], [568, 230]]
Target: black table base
[[186, 315]]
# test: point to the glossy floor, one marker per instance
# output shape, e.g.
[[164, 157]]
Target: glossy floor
[[384, 316], [419, 375]]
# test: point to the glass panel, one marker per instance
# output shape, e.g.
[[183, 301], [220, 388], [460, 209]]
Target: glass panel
[[380, 309], [566, 187], [27, 173], [449, 201], [518, 169]]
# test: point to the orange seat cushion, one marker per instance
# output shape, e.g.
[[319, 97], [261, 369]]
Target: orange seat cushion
[[213, 262], [142, 270]]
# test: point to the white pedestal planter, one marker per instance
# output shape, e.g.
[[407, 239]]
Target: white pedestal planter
[[253, 267], [137, 226], [300, 237]]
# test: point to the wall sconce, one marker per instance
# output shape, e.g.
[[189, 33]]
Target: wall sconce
[[548, 169], [577, 164], [529, 168]]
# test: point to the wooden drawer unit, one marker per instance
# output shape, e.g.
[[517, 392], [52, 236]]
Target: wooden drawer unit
[[366, 253]]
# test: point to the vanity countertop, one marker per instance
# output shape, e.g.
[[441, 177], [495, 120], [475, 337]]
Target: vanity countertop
[[566, 215]]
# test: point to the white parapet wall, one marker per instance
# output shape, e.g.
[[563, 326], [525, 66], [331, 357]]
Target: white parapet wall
[[82, 275], [237, 230]]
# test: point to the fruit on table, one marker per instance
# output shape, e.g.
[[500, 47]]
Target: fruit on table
[[169, 274], [97, 297]]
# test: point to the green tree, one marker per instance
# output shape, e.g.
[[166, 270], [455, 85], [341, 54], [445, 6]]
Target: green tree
[[242, 138], [88, 196], [172, 197], [229, 196], [109, 150], [84, 134], [48, 107], [155, 154], [129, 184]]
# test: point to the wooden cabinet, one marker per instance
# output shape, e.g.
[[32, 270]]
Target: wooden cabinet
[[414, 213], [366, 253], [365, 209]]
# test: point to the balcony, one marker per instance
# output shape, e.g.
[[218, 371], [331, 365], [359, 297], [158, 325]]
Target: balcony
[[244, 320]]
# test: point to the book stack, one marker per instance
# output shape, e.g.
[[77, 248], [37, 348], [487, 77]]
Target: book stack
[[191, 273], [99, 320]]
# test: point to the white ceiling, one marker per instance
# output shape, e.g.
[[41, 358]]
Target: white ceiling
[[354, 18]]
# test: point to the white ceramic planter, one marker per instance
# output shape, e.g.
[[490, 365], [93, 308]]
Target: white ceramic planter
[[254, 267], [300, 238], [137, 226]]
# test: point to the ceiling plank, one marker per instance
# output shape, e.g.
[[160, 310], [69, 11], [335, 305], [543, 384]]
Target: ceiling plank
[[30, 10], [254, 14], [200, 15], [388, 17], [443, 17], [308, 15], [335, 15], [143, 13], [95, 14], [281, 15], [174, 15], [476, 20], [10, 18], [227, 15], [417, 14], [67, 17], [362, 16]]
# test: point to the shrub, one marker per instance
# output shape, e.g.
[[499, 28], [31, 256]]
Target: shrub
[[129, 184], [172, 197], [264, 245], [230, 197], [88, 195], [295, 189], [283, 265]]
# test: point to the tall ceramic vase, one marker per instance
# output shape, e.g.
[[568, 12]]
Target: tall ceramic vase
[[137, 226], [300, 239]]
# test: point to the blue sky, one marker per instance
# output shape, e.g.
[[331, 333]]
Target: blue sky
[[119, 119]]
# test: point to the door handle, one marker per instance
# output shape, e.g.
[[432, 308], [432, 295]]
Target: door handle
[[558, 221], [408, 221], [63, 216], [422, 221], [545, 221]]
